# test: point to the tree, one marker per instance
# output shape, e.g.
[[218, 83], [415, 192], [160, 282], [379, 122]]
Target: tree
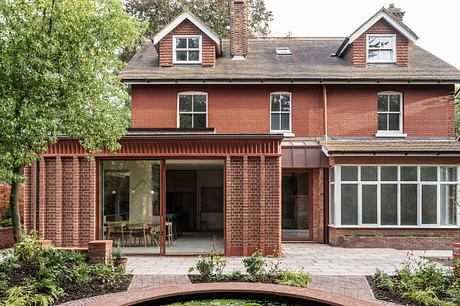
[[214, 12], [58, 64]]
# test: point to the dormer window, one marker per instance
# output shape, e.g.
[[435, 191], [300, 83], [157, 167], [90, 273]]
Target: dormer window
[[381, 48], [187, 49]]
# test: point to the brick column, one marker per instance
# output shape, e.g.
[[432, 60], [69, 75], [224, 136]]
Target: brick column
[[75, 201], [58, 196], [262, 217], [42, 198], [100, 251], [245, 206]]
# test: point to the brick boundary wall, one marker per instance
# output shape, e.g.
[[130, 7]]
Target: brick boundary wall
[[5, 199], [6, 237]]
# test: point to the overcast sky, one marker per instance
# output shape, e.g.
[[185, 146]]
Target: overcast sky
[[436, 22]]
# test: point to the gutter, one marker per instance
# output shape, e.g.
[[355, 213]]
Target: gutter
[[193, 136], [393, 154]]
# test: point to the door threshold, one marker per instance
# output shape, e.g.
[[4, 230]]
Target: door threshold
[[298, 241]]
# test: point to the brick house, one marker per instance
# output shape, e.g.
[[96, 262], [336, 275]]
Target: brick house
[[248, 143]]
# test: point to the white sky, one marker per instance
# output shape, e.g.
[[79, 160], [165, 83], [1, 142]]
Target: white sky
[[436, 22]]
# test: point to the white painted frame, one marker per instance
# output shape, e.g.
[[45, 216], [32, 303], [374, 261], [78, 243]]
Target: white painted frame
[[288, 132], [192, 93], [337, 183], [387, 133], [393, 49], [187, 49]]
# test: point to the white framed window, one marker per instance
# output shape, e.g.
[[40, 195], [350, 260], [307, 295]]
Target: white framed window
[[381, 48], [395, 196], [193, 110], [187, 49], [390, 114], [280, 112]]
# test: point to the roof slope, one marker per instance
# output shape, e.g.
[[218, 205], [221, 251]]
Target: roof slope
[[311, 60]]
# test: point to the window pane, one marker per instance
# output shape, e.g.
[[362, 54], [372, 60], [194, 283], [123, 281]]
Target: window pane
[[373, 55], [331, 174], [374, 42], [408, 173], [429, 199], [429, 173], [349, 211], [448, 204], [395, 103], [285, 124], [199, 121], [199, 103], [185, 121], [276, 122], [285, 103], [349, 173], [331, 204], [385, 55], [383, 103], [369, 173], [275, 103], [383, 122], [394, 122], [409, 204], [194, 56], [185, 103], [369, 205], [389, 173], [181, 55], [181, 43], [193, 43], [386, 42], [449, 174], [389, 204]]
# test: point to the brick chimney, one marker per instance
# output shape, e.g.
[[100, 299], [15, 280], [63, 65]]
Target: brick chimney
[[396, 12], [238, 28]]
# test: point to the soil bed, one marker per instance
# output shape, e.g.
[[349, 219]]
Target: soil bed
[[386, 295], [198, 279], [74, 292]]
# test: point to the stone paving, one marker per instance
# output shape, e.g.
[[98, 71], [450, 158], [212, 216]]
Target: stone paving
[[318, 259]]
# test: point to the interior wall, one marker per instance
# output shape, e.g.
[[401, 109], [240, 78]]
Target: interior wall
[[209, 178]]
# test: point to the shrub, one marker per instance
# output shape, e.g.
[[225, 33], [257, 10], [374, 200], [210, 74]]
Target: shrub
[[255, 264], [295, 279], [210, 267], [31, 274], [6, 222], [423, 283]]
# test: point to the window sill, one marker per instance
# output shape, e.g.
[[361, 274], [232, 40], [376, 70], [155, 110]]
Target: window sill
[[390, 135], [284, 133], [421, 227]]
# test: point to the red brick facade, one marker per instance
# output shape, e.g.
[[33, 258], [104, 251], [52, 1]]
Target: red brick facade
[[356, 52], [5, 199], [165, 47]]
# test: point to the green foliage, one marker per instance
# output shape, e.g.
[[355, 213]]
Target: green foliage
[[31, 274], [214, 12], [422, 283], [255, 264], [294, 279], [117, 252], [210, 267], [7, 222]]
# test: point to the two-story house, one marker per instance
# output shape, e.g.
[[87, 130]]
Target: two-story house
[[247, 143]]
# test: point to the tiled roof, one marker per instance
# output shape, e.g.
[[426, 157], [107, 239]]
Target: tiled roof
[[310, 60], [333, 147]]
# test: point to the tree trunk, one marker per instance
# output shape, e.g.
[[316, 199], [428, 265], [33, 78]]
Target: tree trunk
[[14, 202]]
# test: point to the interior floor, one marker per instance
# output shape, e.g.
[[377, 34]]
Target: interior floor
[[187, 243], [295, 234]]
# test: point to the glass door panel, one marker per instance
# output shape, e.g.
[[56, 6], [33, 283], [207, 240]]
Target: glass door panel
[[131, 204], [295, 206]]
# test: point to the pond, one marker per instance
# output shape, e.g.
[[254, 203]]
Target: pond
[[232, 299]]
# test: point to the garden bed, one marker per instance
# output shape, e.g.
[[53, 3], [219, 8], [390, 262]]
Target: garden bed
[[384, 295]]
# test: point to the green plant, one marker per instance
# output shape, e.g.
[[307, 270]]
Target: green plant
[[6, 222], [210, 267], [117, 252], [255, 264], [295, 279]]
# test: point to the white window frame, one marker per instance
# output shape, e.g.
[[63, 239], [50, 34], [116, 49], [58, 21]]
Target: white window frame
[[337, 183], [387, 133], [285, 132], [393, 49], [200, 49], [192, 93]]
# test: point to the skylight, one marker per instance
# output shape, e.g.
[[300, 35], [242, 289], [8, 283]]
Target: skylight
[[283, 51]]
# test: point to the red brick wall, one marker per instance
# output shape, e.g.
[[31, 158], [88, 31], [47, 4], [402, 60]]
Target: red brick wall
[[187, 28], [356, 52], [317, 227], [352, 109], [5, 199], [66, 201], [428, 110], [252, 208]]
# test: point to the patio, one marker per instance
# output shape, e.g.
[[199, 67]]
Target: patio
[[318, 259]]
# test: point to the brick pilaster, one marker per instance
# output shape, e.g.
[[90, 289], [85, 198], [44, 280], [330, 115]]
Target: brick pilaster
[[58, 203], [245, 206], [42, 198], [262, 190], [75, 201]]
